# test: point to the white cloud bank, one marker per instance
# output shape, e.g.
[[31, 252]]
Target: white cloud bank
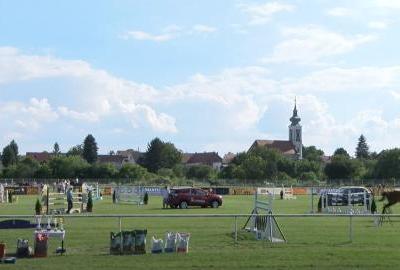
[[237, 100], [169, 32], [99, 93], [310, 44], [262, 13]]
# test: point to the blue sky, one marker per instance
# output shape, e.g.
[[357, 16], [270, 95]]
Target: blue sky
[[206, 75]]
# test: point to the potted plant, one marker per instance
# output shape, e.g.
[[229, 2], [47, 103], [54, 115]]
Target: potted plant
[[89, 205], [38, 207], [146, 198]]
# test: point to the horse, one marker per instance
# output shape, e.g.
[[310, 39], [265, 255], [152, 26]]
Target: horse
[[392, 197]]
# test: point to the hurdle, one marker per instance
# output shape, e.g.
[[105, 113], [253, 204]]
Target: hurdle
[[288, 193], [261, 221], [3, 198], [56, 203], [330, 206], [94, 188], [129, 195]]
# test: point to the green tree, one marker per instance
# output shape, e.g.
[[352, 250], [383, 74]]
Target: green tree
[[311, 153], [44, 171], [56, 149], [68, 167], [341, 151], [199, 172], [27, 168], [8, 156], [76, 150], [132, 171], [362, 149], [161, 155], [14, 147], [103, 170], [90, 149], [388, 164], [342, 167]]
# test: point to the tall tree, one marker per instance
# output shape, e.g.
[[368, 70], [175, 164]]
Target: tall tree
[[388, 165], [161, 155], [56, 149], [341, 151], [8, 157], [90, 149], [14, 147], [362, 149]]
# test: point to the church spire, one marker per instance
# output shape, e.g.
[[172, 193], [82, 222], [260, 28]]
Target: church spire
[[295, 119]]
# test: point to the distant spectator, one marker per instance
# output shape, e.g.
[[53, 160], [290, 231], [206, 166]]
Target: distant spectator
[[281, 194], [165, 195], [69, 199]]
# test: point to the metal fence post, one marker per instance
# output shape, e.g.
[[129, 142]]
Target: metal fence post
[[351, 228], [120, 233], [236, 232]]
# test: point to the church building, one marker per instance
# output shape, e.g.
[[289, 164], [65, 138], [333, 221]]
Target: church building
[[294, 146]]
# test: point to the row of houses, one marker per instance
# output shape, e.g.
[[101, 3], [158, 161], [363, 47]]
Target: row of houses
[[131, 156]]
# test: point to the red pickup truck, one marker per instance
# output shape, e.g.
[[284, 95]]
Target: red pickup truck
[[185, 197]]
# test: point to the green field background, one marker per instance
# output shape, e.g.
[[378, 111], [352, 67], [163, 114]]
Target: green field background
[[312, 243]]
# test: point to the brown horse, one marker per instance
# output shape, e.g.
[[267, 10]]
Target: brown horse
[[392, 198]]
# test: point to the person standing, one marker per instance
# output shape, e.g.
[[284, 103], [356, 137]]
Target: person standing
[[165, 195], [69, 199]]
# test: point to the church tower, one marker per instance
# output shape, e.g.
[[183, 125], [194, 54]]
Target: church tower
[[295, 134]]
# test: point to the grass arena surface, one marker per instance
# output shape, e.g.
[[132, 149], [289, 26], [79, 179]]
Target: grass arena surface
[[313, 243]]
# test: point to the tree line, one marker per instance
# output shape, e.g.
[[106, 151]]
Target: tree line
[[162, 163]]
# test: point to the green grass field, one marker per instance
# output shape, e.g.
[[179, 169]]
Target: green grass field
[[313, 243]]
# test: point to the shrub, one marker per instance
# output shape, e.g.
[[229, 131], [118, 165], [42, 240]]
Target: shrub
[[373, 207], [38, 207], [89, 206]]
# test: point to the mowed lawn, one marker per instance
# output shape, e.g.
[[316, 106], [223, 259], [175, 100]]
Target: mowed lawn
[[313, 243]]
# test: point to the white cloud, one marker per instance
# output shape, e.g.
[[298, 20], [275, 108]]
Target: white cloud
[[377, 25], [231, 103], [345, 80], [201, 28], [168, 33], [98, 92], [261, 13], [26, 117], [310, 44], [140, 35], [339, 12]]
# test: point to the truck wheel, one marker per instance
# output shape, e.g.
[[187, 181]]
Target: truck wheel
[[214, 204], [183, 205]]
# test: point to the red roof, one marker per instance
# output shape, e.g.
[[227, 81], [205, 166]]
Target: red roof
[[39, 156], [286, 147]]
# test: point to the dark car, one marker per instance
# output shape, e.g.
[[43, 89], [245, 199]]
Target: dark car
[[185, 197], [344, 195]]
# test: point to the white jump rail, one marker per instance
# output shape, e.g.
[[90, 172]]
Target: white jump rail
[[235, 216]]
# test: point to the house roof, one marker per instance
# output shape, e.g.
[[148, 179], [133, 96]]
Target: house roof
[[39, 156], [186, 157], [130, 152], [110, 158], [204, 158], [286, 147]]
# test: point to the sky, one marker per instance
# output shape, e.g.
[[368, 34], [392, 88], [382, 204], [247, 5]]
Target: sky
[[206, 75]]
